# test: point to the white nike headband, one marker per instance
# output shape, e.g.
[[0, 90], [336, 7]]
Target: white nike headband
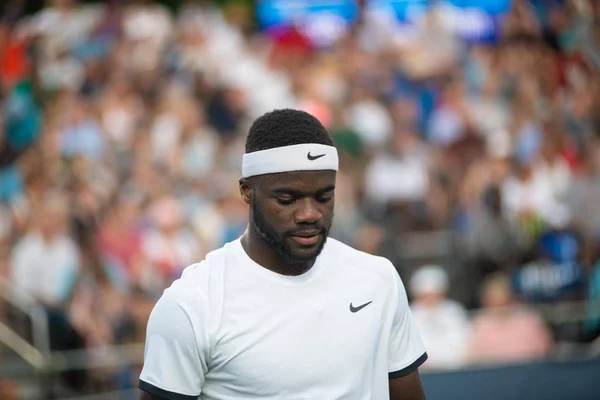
[[298, 157]]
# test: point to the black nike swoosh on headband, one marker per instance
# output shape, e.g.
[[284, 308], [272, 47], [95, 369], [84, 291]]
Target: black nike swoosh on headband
[[313, 158]]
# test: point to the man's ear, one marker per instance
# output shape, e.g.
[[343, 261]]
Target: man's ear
[[245, 190]]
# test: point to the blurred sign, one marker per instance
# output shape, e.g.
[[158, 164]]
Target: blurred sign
[[474, 20], [491, 7], [398, 18], [322, 21], [403, 11], [325, 21]]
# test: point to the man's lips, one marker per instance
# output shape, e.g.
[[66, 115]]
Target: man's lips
[[306, 238], [310, 233]]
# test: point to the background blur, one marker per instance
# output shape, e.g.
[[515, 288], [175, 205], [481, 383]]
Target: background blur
[[469, 134]]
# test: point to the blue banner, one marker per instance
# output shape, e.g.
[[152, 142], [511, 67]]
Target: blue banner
[[284, 12], [475, 20], [404, 11], [323, 21], [470, 20], [490, 7]]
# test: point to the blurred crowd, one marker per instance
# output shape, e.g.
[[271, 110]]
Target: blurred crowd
[[124, 125]]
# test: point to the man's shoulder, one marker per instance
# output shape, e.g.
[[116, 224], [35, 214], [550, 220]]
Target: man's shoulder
[[213, 261], [203, 277], [352, 258]]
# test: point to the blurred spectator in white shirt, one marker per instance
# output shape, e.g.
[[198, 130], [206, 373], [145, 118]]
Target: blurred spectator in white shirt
[[147, 26], [584, 193], [370, 119], [442, 322], [81, 133], [400, 174], [449, 121], [45, 261], [169, 246], [120, 109], [529, 195]]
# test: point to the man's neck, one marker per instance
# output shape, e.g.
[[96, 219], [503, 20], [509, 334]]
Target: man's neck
[[47, 238], [262, 254]]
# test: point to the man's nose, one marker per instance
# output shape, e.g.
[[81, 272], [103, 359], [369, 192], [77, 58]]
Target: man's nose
[[307, 212]]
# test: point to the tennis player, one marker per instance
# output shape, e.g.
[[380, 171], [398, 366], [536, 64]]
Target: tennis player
[[283, 312]]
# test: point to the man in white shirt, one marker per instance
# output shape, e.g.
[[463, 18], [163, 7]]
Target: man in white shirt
[[443, 323], [46, 261], [284, 313]]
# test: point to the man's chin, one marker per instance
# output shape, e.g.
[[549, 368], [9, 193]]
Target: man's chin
[[299, 253]]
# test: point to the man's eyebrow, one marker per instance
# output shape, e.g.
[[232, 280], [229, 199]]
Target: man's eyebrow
[[286, 191], [299, 193], [329, 188]]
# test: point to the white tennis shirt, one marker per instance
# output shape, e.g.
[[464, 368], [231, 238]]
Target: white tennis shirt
[[231, 329]]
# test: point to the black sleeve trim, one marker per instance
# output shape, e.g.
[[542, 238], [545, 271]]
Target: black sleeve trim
[[411, 368], [163, 394]]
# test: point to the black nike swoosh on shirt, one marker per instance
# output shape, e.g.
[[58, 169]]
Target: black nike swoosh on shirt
[[313, 158], [357, 309]]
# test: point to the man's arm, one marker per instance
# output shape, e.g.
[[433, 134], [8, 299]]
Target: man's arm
[[148, 396], [176, 346], [407, 387], [406, 350]]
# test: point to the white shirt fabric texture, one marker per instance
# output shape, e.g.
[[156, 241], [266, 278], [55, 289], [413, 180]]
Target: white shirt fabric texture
[[231, 329]]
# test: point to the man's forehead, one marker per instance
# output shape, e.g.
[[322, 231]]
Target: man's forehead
[[299, 179]]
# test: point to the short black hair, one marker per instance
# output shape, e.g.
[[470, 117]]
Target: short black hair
[[285, 127]]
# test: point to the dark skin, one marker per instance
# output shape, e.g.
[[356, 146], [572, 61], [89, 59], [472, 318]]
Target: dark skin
[[290, 216], [407, 387], [286, 209], [148, 396]]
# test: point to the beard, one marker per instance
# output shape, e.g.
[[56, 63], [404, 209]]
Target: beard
[[277, 240]]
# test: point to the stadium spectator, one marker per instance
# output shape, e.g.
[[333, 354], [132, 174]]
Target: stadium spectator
[[443, 323], [505, 331], [168, 246], [124, 124], [45, 262]]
